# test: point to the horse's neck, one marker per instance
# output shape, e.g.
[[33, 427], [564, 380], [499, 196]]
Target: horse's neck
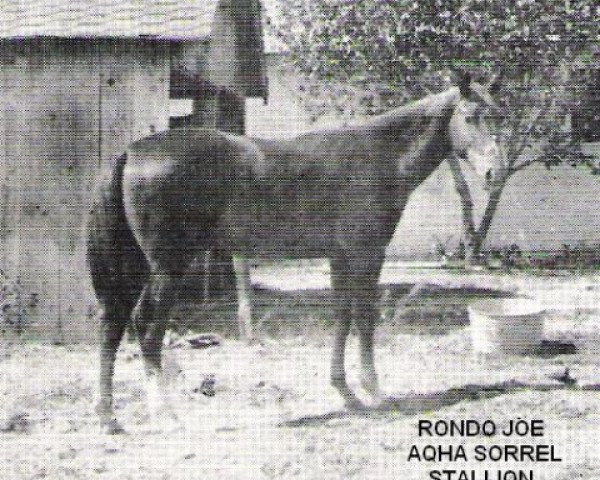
[[416, 135]]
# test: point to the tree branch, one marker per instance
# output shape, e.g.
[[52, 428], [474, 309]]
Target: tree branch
[[522, 166], [514, 134], [466, 200], [528, 130], [490, 208]]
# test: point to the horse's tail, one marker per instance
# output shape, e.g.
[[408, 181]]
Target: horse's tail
[[117, 264]]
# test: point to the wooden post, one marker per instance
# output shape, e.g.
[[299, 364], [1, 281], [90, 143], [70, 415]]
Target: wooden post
[[212, 275], [230, 118]]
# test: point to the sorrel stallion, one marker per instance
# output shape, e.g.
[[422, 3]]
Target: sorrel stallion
[[335, 194]]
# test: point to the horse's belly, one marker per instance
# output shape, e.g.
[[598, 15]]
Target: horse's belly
[[277, 219], [273, 236]]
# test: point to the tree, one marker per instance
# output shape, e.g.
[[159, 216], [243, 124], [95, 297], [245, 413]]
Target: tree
[[361, 57]]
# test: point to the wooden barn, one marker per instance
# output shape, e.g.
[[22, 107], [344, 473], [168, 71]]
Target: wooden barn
[[78, 82]]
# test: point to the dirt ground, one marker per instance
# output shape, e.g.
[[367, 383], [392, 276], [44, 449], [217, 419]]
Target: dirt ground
[[274, 414]]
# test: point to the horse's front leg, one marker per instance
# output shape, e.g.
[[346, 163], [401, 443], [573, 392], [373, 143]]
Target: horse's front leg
[[342, 306], [244, 298], [364, 287], [366, 321]]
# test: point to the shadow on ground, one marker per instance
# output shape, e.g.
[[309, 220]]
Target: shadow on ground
[[413, 404], [435, 310]]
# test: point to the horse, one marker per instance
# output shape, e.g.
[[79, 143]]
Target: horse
[[336, 194]]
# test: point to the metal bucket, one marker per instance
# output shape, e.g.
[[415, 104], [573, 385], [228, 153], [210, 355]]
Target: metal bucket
[[511, 326]]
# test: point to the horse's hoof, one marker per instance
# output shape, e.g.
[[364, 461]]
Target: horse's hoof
[[355, 405], [378, 398], [352, 402], [112, 427], [376, 395]]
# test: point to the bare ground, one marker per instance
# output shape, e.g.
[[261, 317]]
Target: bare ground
[[274, 414]]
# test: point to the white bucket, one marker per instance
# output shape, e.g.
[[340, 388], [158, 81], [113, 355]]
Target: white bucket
[[509, 325]]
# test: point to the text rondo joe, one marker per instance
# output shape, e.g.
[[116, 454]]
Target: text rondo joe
[[494, 453], [473, 428]]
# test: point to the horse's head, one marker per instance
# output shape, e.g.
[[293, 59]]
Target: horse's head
[[470, 134]]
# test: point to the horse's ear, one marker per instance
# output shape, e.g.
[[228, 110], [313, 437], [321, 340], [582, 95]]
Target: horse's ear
[[464, 84]]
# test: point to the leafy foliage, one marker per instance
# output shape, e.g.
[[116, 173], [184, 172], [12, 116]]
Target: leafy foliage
[[366, 56]]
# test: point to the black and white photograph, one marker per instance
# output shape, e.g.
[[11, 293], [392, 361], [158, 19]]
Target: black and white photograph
[[312, 239]]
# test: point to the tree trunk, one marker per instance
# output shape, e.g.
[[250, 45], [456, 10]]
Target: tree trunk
[[474, 237], [472, 242]]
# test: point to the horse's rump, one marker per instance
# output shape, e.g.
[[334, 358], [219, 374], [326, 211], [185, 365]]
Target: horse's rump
[[117, 264]]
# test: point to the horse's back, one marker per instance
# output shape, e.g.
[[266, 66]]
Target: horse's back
[[193, 189]]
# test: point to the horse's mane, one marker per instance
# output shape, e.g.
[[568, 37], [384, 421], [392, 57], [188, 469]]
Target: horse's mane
[[434, 105]]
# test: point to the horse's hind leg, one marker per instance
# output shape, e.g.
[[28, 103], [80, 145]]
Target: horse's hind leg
[[244, 297], [342, 305], [151, 317], [118, 288], [114, 317]]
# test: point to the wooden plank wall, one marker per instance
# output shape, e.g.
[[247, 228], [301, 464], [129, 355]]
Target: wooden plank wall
[[65, 107]]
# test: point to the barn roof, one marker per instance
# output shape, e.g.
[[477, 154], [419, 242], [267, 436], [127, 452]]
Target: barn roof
[[169, 19]]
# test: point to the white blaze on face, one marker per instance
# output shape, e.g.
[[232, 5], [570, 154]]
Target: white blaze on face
[[484, 158], [464, 134], [470, 135]]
